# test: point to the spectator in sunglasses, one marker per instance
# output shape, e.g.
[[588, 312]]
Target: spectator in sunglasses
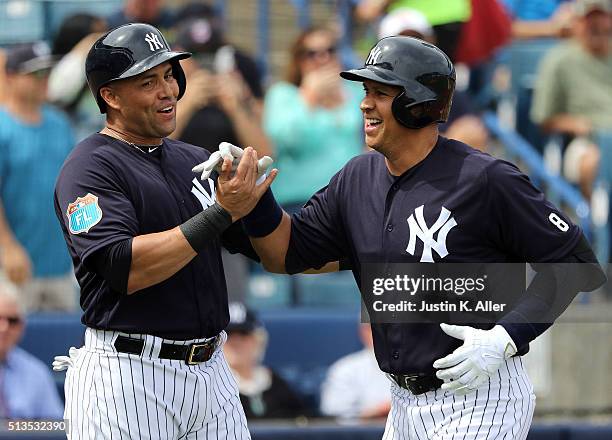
[[27, 389], [312, 118]]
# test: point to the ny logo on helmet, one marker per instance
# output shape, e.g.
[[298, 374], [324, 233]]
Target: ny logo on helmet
[[418, 228], [374, 56], [153, 40]]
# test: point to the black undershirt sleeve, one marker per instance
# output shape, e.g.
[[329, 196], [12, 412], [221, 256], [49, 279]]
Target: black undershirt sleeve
[[345, 264], [235, 240], [551, 291], [113, 263]]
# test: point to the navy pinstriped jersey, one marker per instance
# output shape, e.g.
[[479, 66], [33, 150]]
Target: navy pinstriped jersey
[[483, 209], [109, 191]]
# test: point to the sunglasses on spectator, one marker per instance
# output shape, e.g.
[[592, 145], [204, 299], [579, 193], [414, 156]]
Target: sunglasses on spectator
[[12, 320], [314, 53]]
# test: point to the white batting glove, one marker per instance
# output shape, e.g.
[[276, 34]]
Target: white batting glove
[[234, 153], [480, 356], [61, 363]]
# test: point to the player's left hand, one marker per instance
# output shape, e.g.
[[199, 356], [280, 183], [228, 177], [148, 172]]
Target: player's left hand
[[239, 193], [234, 154], [480, 356]]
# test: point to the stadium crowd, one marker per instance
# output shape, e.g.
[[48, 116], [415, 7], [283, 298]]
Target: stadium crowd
[[308, 120]]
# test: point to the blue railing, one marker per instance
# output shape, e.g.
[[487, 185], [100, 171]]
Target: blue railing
[[561, 190], [601, 197]]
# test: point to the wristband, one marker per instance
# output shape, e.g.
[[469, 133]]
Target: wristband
[[202, 228], [264, 218]]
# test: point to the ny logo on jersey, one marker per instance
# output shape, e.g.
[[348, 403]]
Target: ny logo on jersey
[[153, 40], [374, 56], [418, 228], [206, 199]]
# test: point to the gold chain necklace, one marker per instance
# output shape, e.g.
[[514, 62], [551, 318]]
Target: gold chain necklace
[[118, 136]]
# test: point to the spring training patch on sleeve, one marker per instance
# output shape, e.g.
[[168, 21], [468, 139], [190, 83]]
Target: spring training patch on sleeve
[[83, 214]]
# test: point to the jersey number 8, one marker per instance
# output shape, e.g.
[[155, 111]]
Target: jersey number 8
[[558, 222]]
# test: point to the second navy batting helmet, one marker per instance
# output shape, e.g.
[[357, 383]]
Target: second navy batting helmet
[[425, 73], [127, 51]]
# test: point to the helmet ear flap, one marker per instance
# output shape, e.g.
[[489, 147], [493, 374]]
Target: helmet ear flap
[[398, 108], [179, 76], [101, 102], [412, 114]]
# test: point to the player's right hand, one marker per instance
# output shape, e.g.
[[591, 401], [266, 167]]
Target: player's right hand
[[474, 362], [16, 263], [238, 194]]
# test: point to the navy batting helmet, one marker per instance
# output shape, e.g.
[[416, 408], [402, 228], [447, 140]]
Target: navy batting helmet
[[425, 73], [128, 51]]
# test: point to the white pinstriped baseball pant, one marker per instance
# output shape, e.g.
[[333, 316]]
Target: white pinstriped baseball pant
[[112, 395], [501, 409]]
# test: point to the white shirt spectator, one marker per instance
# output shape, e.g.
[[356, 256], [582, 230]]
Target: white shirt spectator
[[354, 386]]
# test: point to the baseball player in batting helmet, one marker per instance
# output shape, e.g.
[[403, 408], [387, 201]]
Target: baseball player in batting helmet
[[129, 51], [426, 79], [421, 198], [145, 237]]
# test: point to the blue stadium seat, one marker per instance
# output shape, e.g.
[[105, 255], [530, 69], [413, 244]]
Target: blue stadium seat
[[21, 21], [524, 125], [50, 334], [303, 343], [266, 290], [548, 432], [523, 59], [332, 289], [589, 432], [316, 432]]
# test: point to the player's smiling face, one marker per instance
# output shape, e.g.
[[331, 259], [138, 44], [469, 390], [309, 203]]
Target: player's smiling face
[[145, 105], [382, 131]]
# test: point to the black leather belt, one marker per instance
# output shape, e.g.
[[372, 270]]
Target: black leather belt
[[417, 383], [192, 354]]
